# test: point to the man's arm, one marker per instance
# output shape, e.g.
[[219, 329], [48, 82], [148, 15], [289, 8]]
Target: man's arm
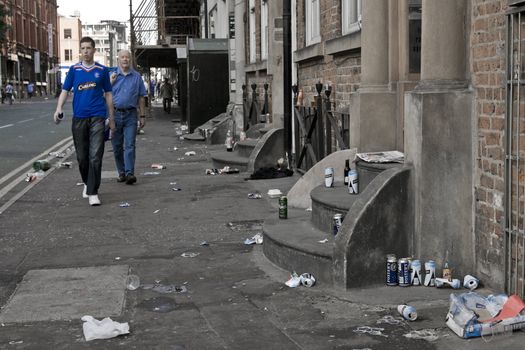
[[142, 109], [60, 104], [109, 103]]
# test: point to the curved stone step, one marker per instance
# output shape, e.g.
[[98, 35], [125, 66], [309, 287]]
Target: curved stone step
[[232, 159], [293, 244], [245, 148], [329, 201]]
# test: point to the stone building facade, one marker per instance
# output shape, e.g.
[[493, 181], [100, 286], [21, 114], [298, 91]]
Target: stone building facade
[[431, 79]]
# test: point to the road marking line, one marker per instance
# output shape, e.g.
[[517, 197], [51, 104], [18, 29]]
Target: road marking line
[[6, 126], [25, 121], [30, 162], [22, 177]]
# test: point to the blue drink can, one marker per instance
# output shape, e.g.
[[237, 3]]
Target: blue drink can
[[391, 270], [403, 268]]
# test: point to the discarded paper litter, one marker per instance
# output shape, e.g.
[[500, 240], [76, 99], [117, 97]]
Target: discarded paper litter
[[104, 329], [382, 157], [189, 255], [306, 279], [190, 153], [257, 239]]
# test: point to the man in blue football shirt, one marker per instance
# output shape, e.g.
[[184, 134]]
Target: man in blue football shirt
[[128, 94], [92, 103]]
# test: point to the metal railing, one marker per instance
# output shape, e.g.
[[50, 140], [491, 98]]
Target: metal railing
[[319, 131], [514, 231]]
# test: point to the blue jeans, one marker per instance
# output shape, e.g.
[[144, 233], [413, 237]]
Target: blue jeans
[[88, 137], [123, 141]]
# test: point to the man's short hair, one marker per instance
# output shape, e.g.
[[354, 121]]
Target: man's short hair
[[88, 39]]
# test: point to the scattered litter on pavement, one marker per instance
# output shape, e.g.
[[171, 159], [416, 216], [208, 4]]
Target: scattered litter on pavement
[[190, 153], [274, 193], [228, 170], [370, 330], [175, 148], [156, 211], [189, 255], [173, 183], [257, 239], [124, 205], [165, 289], [181, 158], [57, 154], [176, 189], [150, 173], [389, 320], [79, 184], [212, 171], [160, 304], [14, 342], [425, 334], [255, 195], [184, 127], [308, 209], [470, 282], [204, 243], [306, 279], [158, 166], [294, 281], [323, 240], [41, 164], [132, 282], [104, 329], [117, 258], [443, 282], [408, 312], [65, 164]]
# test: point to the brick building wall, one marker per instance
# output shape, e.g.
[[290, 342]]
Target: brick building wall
[[343, 70], [487, 51]]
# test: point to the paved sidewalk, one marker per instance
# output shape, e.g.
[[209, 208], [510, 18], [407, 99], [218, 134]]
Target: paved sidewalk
[[235, 298]]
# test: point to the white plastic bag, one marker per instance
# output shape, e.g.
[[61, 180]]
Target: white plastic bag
[[105, 329]]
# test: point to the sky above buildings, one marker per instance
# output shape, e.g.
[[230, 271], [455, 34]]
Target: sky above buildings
[[92, 11]]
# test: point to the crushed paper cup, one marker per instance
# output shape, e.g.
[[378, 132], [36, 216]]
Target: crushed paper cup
[[294, 281]]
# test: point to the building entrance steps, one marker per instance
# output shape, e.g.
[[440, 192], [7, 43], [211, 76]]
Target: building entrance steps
[[374, 224]]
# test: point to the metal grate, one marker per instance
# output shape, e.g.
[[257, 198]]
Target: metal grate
[[515, 156]]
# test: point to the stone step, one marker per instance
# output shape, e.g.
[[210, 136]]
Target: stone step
[[232, 159], [245, 148], [329, 201], [293, 244]]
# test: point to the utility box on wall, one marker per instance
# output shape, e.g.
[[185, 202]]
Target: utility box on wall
[[207, 80]]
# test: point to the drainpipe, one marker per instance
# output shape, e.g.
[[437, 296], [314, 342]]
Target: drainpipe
[[287, 78]]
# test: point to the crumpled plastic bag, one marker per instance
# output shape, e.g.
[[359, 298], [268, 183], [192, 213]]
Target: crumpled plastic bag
[[104, 329]]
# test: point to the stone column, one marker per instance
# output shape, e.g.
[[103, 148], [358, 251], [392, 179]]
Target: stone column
[[374, 43], [438, 140], [373, 121], [443, 40]]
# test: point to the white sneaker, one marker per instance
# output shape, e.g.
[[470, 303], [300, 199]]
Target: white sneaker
[[84, 192], [93, 200]]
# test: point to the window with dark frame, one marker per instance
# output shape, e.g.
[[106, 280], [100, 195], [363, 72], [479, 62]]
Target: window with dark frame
[[67, 33]]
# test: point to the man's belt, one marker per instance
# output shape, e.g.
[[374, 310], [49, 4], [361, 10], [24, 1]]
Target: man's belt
[[123, 110]]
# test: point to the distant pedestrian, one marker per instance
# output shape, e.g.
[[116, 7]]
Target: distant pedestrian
[[92, 103], [30, 90], [166, 91], [128, 94], [9, 93]]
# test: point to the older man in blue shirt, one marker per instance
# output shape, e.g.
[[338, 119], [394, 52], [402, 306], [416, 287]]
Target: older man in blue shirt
[[128, 94]]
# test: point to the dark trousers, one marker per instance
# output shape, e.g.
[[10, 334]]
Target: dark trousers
[[166, 104], [88, 137]]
